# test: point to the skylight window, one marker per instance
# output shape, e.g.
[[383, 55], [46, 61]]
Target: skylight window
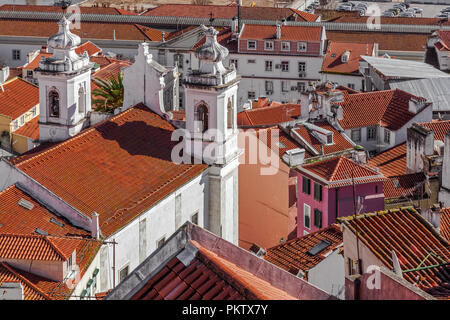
[[54, 221], [319, 247], [281, 145], [41, 232], [26, 204], [396, 183]]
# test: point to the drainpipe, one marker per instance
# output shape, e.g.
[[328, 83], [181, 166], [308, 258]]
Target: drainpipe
[[337, 204]]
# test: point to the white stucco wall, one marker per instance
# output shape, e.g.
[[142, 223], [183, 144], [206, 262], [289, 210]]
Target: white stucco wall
[[344, 80], [329, 274]]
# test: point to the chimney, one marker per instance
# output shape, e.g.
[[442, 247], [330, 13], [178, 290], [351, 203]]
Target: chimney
[[11, 291], [234, 26], [278, 31], [294, 157], [413, 105], [95, 227], [114, 34], [4, 74], [420, 142]]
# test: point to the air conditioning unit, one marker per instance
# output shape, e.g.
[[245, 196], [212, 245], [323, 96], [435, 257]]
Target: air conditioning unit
[[277, 66], [302, 75]]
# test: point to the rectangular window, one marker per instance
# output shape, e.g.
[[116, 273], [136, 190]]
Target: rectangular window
[[387, 136], [371, 133], [33, 112], [251, 61], [251, 95], [235, 62], [301, 86], [302, 46], [269, 65], [317, 192], [284, 86], [269, 87], [285, 66], [356, 135], [285, 46], [16, 124], [16, 54], [317, 218], [306, 185], [306, 216], [251, 45], [179, 60], [330, 138], [22, 120], [123, 273], [351, 86], [268, 45], [302, 67]]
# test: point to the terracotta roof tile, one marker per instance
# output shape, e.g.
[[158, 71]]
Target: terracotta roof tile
[[391, 162], [403, 185], [445, 223], [293, 255], [132, 150], [293, 33], [88, 30], [332, 62], [444, 37], [386, 40], [207, 277], [269, 116], [392, 20], [30, 129], [305, 16], [388, 108], [35, 247], [340, 169], [340, 143], [88, 46], [46, 8], [412, 238], [33, 64], [17, 97], [439, 127]]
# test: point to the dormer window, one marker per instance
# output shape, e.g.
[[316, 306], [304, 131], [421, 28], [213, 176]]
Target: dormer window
[[302, 46], [345, 56], [330, 138], [251, 45], [285, 46], [268, 45], [53, 102]]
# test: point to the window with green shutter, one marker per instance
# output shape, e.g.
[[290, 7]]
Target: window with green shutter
[[83, 294], [317, 218], [306, 185], [317, 192]]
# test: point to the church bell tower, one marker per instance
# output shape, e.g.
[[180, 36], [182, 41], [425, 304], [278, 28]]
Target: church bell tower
[[211, 104], [64, 87]]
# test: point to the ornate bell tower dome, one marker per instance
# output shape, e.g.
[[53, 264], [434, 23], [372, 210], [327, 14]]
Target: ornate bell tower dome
[[64, 87], [211, 104]]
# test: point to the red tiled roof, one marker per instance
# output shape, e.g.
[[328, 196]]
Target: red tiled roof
[[36, 247], [88, 46], [339, 142], [17, 97], [88, 30], [412, 238], [32, 284], [269, 116], [439, 127], [33, 64], [305, 16], [293, 255], [218, 12], [47, 8], [391, 162], [109, 71], [407, 185], [207, 277], [30, 129], [151, 33], [177, 33], [388, 108], [223, 38], [333, 59], [386, 40], [445, 223], [118, 168], [293, 33], [392, 20], [444, 37], [341, 168]]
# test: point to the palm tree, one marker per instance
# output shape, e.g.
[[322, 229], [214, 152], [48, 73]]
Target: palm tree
[[109, 94]]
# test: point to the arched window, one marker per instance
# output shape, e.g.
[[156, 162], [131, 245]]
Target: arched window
[[202, 117], [81, 100], [230, 114], [53, 103]]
